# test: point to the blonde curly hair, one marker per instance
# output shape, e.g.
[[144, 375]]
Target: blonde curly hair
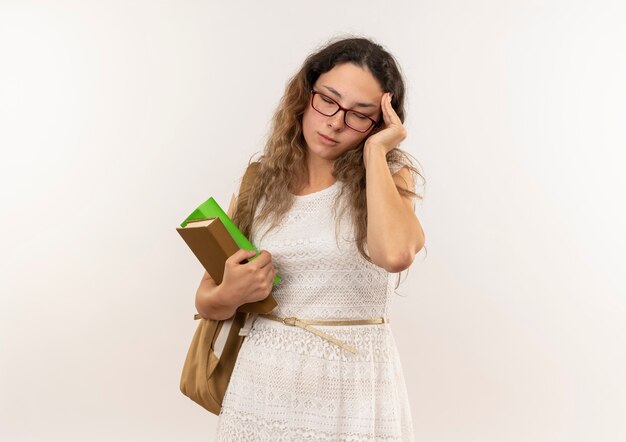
[[282, 167]]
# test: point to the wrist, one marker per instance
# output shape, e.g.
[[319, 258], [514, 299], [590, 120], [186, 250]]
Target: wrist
[[374, 152], [212, 303], [224, 299]]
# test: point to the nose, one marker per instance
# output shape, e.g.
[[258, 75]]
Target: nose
[[337, 120]]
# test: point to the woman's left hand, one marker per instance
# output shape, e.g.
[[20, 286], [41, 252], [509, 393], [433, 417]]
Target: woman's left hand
[[392, 134]]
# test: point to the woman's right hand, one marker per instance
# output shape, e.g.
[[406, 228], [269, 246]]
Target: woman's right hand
[[248, 281]]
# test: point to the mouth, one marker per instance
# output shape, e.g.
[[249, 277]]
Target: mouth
[[327, 139]]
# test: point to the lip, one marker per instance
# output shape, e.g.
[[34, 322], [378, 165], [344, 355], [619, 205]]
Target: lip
[[326, 139]]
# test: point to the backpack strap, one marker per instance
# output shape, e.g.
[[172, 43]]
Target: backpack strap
[[248, 178], [245, 187]]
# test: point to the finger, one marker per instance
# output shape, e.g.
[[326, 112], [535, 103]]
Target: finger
[[270, 272], [391, 113], [383, 104], [240, 255], [262, 260]]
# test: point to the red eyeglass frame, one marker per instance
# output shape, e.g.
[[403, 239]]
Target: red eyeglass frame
[[345, 111]]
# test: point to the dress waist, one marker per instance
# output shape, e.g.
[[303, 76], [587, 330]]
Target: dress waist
[[307, 324]]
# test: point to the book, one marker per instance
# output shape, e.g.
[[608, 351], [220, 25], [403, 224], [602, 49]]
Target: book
[[213, 238]]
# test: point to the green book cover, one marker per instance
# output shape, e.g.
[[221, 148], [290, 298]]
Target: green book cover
[[210, 209]]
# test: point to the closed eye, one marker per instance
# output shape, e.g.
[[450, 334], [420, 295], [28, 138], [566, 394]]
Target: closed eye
[[361, 116]]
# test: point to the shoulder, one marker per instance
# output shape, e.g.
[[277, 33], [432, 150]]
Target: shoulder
[[404, 178], [394, 166], [402, 175], [246, 179], [251, 172], [402, 172]]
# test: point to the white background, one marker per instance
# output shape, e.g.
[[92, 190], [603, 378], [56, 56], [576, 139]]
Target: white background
[[119, 117]]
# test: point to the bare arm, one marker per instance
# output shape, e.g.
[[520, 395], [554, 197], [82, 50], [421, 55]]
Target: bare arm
[[242, 283], [210, 303], [209, 300], [394, 234]]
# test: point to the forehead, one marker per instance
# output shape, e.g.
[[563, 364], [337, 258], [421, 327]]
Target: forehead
[[354, 83]]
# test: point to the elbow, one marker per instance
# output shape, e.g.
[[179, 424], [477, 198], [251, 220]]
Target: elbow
[[420, 243], [399, 262], [200, 308], [212, 314], [208, 306]]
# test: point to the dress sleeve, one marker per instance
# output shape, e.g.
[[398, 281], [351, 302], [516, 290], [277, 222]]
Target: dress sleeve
[[394, 167]]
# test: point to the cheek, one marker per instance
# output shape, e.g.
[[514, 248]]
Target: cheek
[[310, 119], [358, 138], [306, 118], [309, 127]]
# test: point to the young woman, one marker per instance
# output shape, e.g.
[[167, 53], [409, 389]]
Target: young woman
[[331, 206]]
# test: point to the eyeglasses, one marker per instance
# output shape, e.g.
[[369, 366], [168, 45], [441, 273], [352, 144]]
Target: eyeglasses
[[329, 107]]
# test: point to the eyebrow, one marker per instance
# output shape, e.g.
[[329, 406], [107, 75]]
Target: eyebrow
[[355, 104]]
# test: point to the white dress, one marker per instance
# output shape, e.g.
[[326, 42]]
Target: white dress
[[292, 385]]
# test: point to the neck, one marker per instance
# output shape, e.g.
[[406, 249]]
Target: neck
[[320, 175], [320, 170]]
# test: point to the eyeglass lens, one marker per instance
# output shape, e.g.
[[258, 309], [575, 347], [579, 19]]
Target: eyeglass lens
[[328, 107]]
